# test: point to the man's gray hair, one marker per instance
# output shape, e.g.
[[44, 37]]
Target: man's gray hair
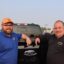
[[59, 21]]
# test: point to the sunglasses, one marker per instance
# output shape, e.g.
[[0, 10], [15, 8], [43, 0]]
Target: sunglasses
[[7, 24]]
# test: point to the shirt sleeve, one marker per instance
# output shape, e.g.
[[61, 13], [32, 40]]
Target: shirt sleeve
[[19, 36]]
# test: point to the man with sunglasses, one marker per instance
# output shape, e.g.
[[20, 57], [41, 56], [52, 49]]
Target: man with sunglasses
[[9, 42]]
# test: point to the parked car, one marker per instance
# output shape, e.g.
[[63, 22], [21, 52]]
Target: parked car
[[28, 55]]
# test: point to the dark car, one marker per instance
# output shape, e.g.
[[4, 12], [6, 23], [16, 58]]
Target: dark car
[[28, 55]]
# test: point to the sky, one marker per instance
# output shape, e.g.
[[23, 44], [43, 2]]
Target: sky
[[41, 12]]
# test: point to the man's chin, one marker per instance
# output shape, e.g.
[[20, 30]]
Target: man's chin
[[8, 32]]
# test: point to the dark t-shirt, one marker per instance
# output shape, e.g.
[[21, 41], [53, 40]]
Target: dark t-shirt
[[51, 50], [55, 54]]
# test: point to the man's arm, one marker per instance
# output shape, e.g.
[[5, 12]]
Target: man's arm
[[28, 40], [46, 35]]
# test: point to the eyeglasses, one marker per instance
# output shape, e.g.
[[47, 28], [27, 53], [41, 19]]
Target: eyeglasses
[[7, 24]]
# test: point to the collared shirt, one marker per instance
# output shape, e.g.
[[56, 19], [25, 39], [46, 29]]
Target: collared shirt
[[9, 48], [55, 53]]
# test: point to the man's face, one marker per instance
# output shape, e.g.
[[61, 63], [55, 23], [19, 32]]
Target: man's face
[[7, 28], [58, 29]]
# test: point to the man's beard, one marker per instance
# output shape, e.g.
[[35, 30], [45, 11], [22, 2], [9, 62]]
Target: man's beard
[[8, 31]]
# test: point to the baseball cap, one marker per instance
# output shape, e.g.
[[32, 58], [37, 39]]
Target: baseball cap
[[7, 20]]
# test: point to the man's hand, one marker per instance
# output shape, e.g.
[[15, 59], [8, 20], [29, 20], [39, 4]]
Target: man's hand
[[28, 40], [37, 40]]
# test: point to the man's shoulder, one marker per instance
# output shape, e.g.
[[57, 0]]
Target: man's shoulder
[[46, 35], [17, 34], [1, 33]]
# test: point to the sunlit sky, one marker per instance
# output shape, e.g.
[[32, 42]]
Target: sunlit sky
[[42, 12]]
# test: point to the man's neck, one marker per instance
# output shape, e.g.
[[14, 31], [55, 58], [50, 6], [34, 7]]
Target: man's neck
[[59, 36]]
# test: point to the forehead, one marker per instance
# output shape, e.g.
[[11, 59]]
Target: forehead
[[58, 24]]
